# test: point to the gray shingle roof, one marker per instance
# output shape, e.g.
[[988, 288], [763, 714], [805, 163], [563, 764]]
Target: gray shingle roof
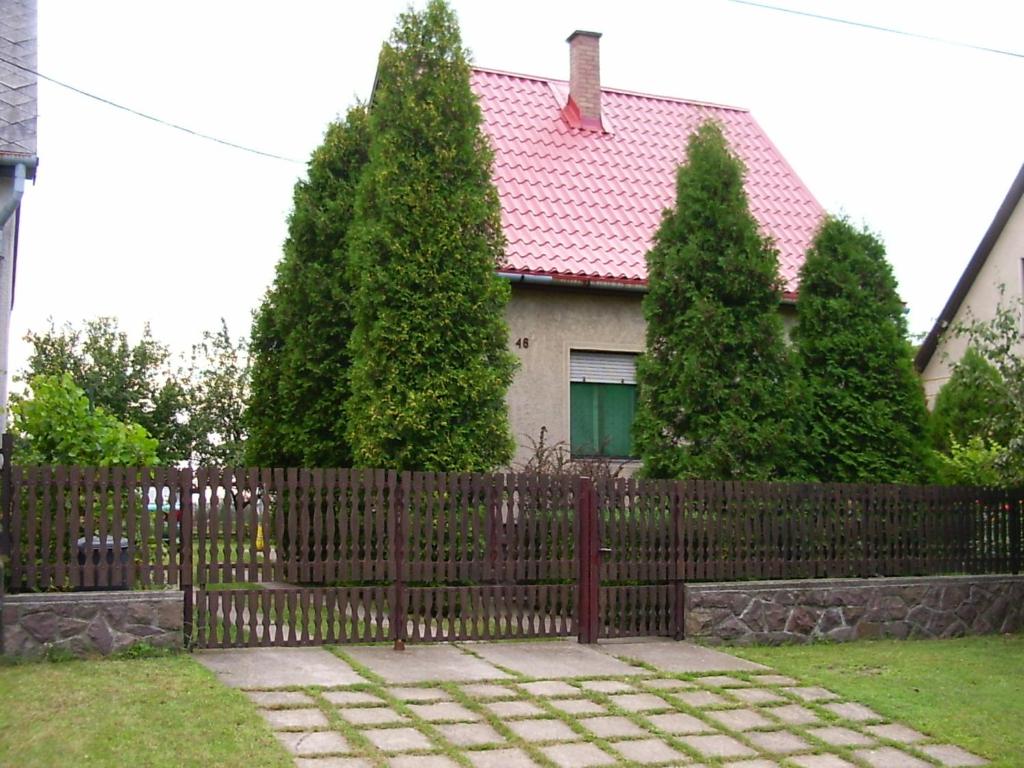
[[18, 106]]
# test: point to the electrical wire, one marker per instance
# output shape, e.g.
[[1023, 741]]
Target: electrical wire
[[146, 116], [879, 28]]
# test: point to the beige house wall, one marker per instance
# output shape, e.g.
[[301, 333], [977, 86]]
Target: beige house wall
[[1004, 267], [545, 325]]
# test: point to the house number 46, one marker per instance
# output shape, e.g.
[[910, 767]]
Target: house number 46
[[523, 342]]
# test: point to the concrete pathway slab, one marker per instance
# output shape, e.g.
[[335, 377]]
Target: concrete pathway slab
[[422, 761], [300, 719], [648, 751], [778, 742], [489, 691], [425, 663], [542, 730], [420, 694], [677, 656], [718, 745], [612, 727], [577, 756], [888, 757], [443, 711], [280, 699], [837, 736], [756, 696], [501, 758], [277, 667], [952, 756], [558, 658], [639, 702], [364, 716], [679, 723], [515, 709], [794, 714], [350, 698], [470, 734], [398, 739], [332, 762], [896, 732], [312, 743], [578, 706], [548, 688], [820, 761], [740, 719]]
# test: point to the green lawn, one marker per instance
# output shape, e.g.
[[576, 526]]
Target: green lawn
[[155, 712], [969, 691]]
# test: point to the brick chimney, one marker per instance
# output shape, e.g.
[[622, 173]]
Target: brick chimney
[[585, 78]]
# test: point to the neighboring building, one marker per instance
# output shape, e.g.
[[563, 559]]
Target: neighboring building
[[17, 151], [995, 273], [584, 173]]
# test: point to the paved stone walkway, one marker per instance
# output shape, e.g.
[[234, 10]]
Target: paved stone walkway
[[561, 705]]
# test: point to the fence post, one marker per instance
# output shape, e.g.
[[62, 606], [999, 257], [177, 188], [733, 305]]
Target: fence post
[[398, 561], [678, 567], [588, 556], [185, 551], [6, 508], [1016, 503]]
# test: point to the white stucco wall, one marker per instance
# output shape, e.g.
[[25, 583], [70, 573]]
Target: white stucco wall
[[1004, 267], [545, 324]]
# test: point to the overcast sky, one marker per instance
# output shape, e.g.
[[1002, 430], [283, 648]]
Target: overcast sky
[[919, 140]]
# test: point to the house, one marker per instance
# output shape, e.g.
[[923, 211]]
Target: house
[[995, 273], [17, 152], [583, 173]]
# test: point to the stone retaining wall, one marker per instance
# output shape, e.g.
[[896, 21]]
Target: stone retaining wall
[[87, 623], [849, 609]]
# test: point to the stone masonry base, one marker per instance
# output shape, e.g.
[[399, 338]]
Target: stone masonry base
[[773, 612], [88, 623]]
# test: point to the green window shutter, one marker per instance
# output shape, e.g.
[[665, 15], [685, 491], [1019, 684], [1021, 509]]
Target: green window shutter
[[583, 419], [601, 419]]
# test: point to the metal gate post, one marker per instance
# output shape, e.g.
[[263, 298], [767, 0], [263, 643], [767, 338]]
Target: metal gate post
[[589, 559]]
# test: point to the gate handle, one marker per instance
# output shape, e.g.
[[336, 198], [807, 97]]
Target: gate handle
[[604, 550]]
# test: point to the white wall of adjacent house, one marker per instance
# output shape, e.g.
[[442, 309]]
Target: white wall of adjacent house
[[548, 328], [1000, 279]]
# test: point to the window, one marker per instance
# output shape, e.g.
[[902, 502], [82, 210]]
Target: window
[[602, 401]]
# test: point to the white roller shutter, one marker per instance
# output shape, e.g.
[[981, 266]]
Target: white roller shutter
[[602, 367]]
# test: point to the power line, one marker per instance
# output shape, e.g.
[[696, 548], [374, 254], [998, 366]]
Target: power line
[[879, 28], [153, 118]]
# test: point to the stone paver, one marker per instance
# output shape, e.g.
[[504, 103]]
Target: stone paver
[[515, 709], [794, 714], [560, 658], [756, 763], [470, 734], [756, 696], [332, 762], [896, 732], [501, 758], [838, 736], [277, 667], [648, 751], [279, 698], [679, 723], [443, 711], [425, 663], [674, 656], [612, 727], [607, 686], [422, 761], [372, 716], [347, 698], [312, 743], [722, 681], [419, 694], [578, 706], [778, 742], [740, 719], [489, 691], [639, 702], [811, 693], [718, 745], [542, 730], [550, 688], [849, 710], [281, 719], [397, 739], [952, 756], [889, 757], [669, 684], [773, 680], [701, 699], [820, 761], [577, 755]]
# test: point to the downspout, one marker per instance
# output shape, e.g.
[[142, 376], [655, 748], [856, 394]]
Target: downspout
[[6, 282]]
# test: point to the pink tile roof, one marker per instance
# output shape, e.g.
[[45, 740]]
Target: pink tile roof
[[584, 205]]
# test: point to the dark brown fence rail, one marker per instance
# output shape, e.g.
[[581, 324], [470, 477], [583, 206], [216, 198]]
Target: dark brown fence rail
[[300, 556]]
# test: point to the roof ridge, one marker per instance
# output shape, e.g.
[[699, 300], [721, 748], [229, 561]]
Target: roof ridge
[[607, 89]]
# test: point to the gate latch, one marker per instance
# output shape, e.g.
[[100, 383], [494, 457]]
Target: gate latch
[[604, 550]]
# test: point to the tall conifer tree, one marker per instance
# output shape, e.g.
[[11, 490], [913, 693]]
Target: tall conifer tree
[[865, 407], [299, 348], [430, 360], [716, 397]]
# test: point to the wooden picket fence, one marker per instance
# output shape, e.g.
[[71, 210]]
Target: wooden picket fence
[[307, 556]]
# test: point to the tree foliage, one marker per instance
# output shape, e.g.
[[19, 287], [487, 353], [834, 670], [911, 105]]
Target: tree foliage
[[866, 413], [430, 364], [57, 424], [972, 403], [217, 397], [716, 396], [300, 355], [134, 383]]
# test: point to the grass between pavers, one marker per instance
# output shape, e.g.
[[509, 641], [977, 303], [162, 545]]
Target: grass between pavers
[[167, 711], [963, 691]]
